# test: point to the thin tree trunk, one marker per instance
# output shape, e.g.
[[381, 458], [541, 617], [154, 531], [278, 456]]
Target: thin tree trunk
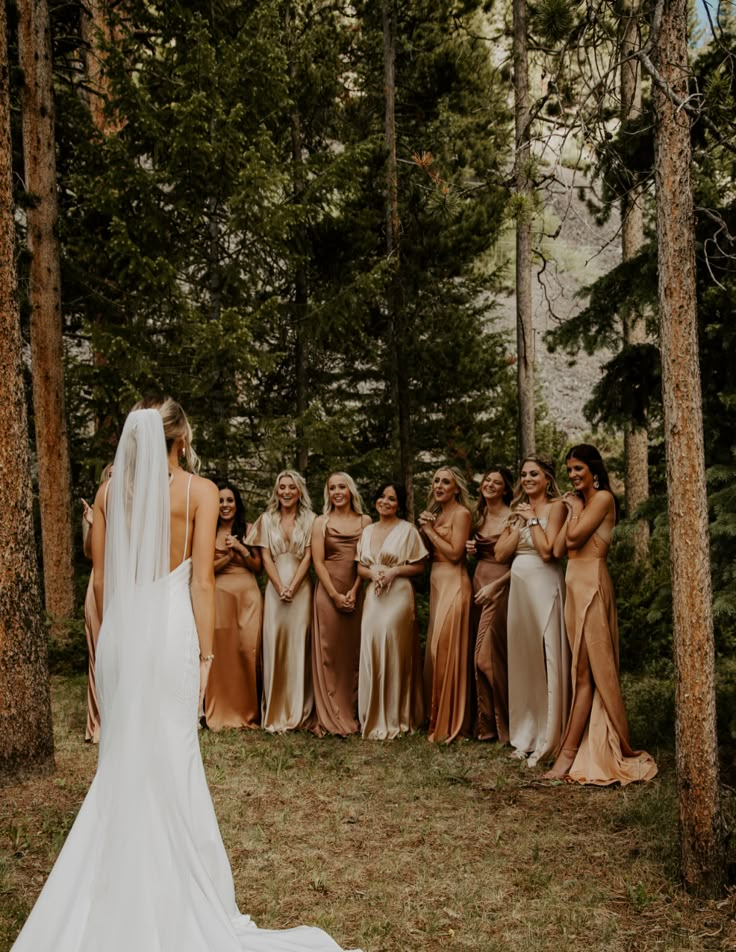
[[399, 365], [26, 738], [636, 439], [524, 316], [703, 861], [95, 29], [47, 350]]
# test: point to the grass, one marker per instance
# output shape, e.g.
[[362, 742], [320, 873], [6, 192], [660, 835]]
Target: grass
[[403, 846]]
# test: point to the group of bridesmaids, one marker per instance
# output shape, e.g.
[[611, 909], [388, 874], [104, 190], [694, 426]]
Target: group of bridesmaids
[[515, 656]]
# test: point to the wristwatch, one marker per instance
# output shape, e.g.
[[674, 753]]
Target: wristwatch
[[533, 522]]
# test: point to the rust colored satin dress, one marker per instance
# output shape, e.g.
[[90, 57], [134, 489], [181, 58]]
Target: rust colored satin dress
[[447, 656], [288, 699], [491, 652], [604, 755], [391, 693], [233, 687], [336, 639], [92, 632]]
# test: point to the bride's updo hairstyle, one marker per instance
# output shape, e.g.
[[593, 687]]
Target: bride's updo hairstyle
[[176, 427]]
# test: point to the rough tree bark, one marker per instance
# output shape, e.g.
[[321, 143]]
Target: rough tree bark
[[26, 738], [703, 862], [636, 439], [47, 351], [524, 315], [95, 31], [399, 365]]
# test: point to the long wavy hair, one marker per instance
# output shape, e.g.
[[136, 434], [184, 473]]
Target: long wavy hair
[[303, 506], [479, 511], [462, 495], [547, 467], [356, 503], [239, 522], [589, 455]]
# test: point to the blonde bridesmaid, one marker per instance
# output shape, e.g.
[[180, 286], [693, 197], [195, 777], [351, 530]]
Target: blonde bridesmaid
[[491, 588], [233, 687], [283, 534], [390, 553], [337, 607], [445, 524], [595, 747], [538, 653]]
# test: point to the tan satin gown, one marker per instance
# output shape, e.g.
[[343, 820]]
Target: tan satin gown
[[233, 687], [538, 653], [604, 755], [288, 699], [390, 693], [447, 656], [490, 659], [92, 633], [336, 639]]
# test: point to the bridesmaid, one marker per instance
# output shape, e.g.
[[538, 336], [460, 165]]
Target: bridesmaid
[[595, 747], [538, 653], [232, 698], [283, 534], [491, 588], [337, 607], [390, 552], [445, 525], [91, 616]]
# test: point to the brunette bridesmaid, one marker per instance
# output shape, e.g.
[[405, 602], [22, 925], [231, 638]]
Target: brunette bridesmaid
[[491, 587], [595, 747], [283, 534], [390, 553], [445, 525], [337, 607], [232, 698], [538, 653]]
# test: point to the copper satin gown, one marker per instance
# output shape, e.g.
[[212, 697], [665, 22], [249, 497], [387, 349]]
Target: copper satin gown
[[233, 687], [447, 656], [490, 658], [604, 755], [390, 693], [336, 639], [288, 699], [538, 652], [92, 632]]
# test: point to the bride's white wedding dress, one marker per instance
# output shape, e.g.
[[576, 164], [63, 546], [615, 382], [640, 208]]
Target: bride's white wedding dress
[[144, 868]]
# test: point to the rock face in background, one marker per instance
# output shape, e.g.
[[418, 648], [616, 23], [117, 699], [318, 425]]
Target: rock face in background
[[580, 253]]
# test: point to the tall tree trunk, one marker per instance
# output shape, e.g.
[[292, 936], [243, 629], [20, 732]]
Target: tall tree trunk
[[95, 29], [26, 738], [636, 439], [399, 364], [703, 862], [301, 299], [47, 350], [524, 316]]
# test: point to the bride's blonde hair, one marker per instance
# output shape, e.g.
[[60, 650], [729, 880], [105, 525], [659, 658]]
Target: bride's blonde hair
[[176, 426]]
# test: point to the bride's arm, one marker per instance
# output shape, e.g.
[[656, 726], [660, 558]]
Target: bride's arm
[[97, 532], [203, 571]]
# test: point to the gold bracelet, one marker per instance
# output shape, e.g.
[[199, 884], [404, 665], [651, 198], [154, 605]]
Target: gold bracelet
[[207, 658]]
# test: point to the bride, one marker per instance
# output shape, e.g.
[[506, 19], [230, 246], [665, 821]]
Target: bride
[[144, 868]]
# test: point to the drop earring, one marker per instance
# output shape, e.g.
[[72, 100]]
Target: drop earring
[[596, 483]]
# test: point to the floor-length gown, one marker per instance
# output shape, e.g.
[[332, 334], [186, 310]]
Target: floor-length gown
[[390, 692], [447, 656], [538, 652], [604, 755], [336, 638], [233, 687], [91, 632], [144, 868], [490, 660], [288, 698]]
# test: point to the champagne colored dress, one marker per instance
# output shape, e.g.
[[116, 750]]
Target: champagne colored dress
[[336, 639], [447, 657], [604, 755], [538, 653], [233, 686], [92, 632], [390, 694], [490, 661], [288, 699]]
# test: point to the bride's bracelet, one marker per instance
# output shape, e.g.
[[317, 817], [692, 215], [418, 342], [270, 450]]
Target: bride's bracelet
[[207, 658]]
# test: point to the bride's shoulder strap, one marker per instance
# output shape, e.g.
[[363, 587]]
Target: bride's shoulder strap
[[186, 521]]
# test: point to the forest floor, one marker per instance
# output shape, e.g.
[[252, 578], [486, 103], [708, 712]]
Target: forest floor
[[403, 846]]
